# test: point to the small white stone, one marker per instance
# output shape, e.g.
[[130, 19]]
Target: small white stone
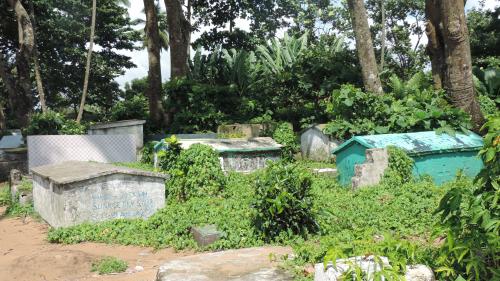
[[139, 268], [419, 272]]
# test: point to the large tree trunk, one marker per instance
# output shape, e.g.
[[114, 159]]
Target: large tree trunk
[[179, 31], [87, 66], [364, 46], [38, 76], [20, 90], [449, 48], [154, 90]]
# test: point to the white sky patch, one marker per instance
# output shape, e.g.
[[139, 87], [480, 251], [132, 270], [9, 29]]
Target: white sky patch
[[140, 57]]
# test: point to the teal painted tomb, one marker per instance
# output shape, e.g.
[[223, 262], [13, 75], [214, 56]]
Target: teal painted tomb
[[440, 156]]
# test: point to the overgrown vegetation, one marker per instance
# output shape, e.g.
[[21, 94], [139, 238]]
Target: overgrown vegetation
[[283, 202], [470, 219], [355, 112], [196, 173], [285, 136], [109, 265], [53, 123]]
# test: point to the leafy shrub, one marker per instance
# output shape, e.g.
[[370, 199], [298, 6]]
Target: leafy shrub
[[134, 108], [400, 168], [109, 265], [487, 105], [53, 123], [471, 219], [167, 157], [357, 113], [201, 107], [284, 135], [283, 201], [196, 173], [4, 195], [147, 153]]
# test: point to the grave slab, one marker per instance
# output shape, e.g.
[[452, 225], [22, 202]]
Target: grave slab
[[252, 264], [241, 155], [74, 192]]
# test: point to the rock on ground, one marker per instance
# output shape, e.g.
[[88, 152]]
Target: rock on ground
[[369, 266], [252, 264]]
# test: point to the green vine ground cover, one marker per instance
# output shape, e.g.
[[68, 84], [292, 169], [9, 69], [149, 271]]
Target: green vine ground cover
[[400, 212]]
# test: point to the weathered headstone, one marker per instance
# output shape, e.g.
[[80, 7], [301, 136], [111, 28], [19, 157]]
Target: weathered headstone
[[206, 235], [75, 192], [241, 155], [316, 145], [125, 127]]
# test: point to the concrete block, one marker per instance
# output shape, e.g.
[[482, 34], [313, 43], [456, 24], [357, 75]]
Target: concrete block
[[125, 127], [74, 192], [206, 235], [372, 170], [241, 155]]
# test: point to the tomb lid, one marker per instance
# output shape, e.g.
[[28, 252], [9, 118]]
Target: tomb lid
[[419, 143], [237, 145], [75, 171], [122, 123]]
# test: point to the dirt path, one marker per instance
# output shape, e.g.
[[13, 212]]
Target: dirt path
[[25, 255]]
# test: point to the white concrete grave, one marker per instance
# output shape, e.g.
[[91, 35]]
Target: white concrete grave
[[74, 192]]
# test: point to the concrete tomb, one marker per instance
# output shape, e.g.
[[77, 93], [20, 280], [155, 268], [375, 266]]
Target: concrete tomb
[[361, 161], [125, 127], [74, 192], [241, 155], [316, 145]]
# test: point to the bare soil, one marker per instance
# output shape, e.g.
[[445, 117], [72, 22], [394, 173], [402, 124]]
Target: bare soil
[[25, 255]]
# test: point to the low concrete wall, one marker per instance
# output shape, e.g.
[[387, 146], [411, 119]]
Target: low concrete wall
[[46, 150], [126, 127]]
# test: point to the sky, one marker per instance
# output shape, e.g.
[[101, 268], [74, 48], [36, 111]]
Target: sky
[[140, 57]]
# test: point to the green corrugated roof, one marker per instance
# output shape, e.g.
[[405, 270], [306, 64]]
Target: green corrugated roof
[[420, 142]]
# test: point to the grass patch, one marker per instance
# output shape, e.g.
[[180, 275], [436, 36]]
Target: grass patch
[[109, 265], [137, 165], [4, 194]]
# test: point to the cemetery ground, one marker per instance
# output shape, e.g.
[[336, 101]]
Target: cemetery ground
[[393, 219]]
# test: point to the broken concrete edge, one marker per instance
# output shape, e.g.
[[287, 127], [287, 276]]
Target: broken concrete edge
[[369, 265], [122, 123], [107, 169], [206, 235], [372, 170]]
